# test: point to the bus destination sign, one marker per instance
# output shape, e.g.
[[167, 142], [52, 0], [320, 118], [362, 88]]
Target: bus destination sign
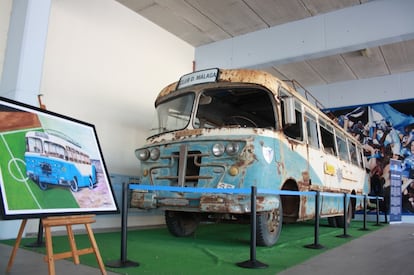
[[198, 77]]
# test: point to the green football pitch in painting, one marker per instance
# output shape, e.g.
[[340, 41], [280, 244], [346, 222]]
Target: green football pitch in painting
[[18, 185], [50, 165]]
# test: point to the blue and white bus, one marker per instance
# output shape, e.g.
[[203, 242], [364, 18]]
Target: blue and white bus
[[241, 128], [53, 160]]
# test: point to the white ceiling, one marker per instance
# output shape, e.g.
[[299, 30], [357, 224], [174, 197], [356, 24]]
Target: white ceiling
[[200, 22]]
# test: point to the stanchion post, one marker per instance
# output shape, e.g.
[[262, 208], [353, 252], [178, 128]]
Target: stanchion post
[[345, 234], [39, 241], [123, 262], [364, 228], [253, 263], [316, 244], [377, 211]]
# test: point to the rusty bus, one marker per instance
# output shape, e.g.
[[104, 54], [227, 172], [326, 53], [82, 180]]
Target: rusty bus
[[234, 129]]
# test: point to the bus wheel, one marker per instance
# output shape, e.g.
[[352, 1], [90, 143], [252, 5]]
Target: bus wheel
[[340, 219], [268, 226], [181, 224], [42, 185], [332, 221], [90, 183], [74, 185]]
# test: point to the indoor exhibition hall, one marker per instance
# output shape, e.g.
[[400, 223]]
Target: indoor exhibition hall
[[206, 137]]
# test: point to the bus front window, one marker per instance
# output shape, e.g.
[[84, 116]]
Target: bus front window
[[172, 115], [246, 107]]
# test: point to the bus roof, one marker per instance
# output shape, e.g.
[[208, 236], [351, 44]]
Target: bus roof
[[258, 77], [263, 78]]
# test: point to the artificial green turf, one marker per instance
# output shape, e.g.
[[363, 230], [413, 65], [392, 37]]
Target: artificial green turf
[[214, 248]]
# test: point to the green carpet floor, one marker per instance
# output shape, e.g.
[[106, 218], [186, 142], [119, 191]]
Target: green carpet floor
[[214, 248]]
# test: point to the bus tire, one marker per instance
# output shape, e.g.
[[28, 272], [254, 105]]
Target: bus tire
[[42, 185], [90, 183], [74, 185], [332, 222], [268, 226], [340, 219], [181, 224]]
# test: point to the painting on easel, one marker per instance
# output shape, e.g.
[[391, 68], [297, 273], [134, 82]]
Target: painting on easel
[[50, 164]]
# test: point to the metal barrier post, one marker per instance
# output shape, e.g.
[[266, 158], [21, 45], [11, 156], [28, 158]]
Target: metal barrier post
[[377, 212], [252, 263], [364, 228], [316, 244], [39, 241], [345, 235], [123, 262]]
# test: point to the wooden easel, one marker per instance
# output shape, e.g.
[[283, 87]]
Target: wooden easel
[[67, 221]]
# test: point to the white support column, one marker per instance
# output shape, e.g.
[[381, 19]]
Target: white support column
[[26, 42], [354, 28]]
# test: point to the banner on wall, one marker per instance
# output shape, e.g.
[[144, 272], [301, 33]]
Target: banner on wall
[[386, 131], [395, 194]]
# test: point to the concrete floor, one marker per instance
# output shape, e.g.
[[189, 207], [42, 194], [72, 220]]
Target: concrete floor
[[389, 250], [27, 262]]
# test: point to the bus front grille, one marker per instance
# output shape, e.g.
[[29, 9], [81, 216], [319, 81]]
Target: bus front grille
[[187, 171]]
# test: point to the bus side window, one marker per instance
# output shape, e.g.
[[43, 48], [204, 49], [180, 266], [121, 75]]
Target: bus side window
[[34, 145], [353, 152], [295, 130], [312, 130], [342, 148], [361, 157], [327, 138]]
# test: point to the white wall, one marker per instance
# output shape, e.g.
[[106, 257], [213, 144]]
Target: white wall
[[105, 64], [5, 11]]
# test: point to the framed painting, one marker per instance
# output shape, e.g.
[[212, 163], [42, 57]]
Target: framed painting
[[50, 164]]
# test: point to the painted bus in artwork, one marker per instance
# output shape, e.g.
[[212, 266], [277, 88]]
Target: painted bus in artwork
[[235, 129], [52, 160]]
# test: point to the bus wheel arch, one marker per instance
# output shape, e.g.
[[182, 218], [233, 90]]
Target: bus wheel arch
[[290, 204]]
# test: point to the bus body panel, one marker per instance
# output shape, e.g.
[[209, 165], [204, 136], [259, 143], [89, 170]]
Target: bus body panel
[[269, 158], [53, 160], [266, 161], [55, 171]]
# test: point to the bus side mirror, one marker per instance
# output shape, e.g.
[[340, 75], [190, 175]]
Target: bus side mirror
[[289, 110]]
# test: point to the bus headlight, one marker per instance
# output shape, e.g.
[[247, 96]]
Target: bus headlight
[[218, 149], [142, 154], [232, 148], [155, 154]]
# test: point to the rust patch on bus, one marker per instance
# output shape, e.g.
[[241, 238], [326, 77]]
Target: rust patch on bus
[[188, 133]]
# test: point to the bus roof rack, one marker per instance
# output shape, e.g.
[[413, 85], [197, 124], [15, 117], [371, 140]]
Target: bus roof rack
[[63, 136], [298, 87]]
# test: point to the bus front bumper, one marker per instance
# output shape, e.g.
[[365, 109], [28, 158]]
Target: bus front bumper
[[208, 203]]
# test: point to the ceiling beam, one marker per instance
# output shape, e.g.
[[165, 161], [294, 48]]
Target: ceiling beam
[[367, 25], [396, 87]]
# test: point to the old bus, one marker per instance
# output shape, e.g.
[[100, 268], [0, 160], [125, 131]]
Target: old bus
[[240, 128], [53, 160]]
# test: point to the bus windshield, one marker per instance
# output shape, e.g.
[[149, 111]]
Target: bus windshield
[[173, 114], [246, 107]]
